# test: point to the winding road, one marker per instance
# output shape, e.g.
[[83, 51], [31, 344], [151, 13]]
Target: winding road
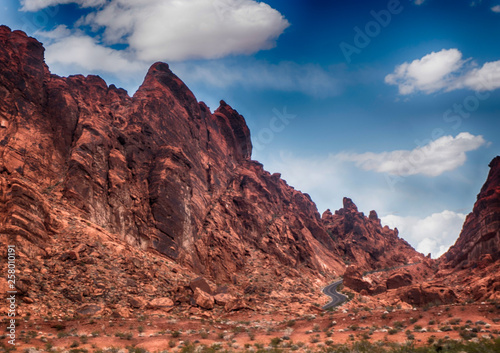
[[331, 291]]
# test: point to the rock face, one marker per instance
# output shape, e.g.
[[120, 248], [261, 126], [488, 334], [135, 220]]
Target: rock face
[[158, 169], [363, 241], [480, 234]]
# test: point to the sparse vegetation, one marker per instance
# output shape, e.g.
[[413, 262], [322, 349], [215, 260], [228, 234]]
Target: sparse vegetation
[[392, 331]]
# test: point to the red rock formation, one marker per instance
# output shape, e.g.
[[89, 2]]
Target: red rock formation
[[354, 279], [157, 170], [203, 299], [481, 231], [399, 280], [88, 172], [363, 241], [201, 283]]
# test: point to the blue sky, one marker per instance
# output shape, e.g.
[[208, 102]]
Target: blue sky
[[392, 103]]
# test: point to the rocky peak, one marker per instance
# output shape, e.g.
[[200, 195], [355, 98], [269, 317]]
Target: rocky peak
[[235, 129], [24, 55], [327, 215], [495, 163], [489, 191], [349, 206], [374, 218], [363, 241]]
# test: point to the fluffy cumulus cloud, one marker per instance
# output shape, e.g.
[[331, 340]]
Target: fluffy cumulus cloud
[[178, 30], [428, 74], [496, 8], [121, 38], [485, 78], [433, 234], [441, 155], [444, 70]]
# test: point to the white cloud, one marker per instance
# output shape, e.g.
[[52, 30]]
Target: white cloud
[[444, 70], [178, 30], [486, 78], [309, 79], [433, 234], [82, 53], [496, 8], [444, 154], [419, 2], [429, 74], [172, 30], [36, 5]]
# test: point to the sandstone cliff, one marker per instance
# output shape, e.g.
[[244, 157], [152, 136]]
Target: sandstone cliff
[[152, 191]]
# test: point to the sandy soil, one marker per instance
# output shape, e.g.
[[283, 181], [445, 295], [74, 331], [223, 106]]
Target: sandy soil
[[237, 331]]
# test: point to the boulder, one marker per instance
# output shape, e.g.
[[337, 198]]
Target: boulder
[[182, 294], [223, 298], [121, 311], [89, 310], [160, 303], [203, 299], [235, 304], [201, 283], [137, 302]]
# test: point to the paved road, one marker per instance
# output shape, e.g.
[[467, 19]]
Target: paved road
[[331, 291]]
